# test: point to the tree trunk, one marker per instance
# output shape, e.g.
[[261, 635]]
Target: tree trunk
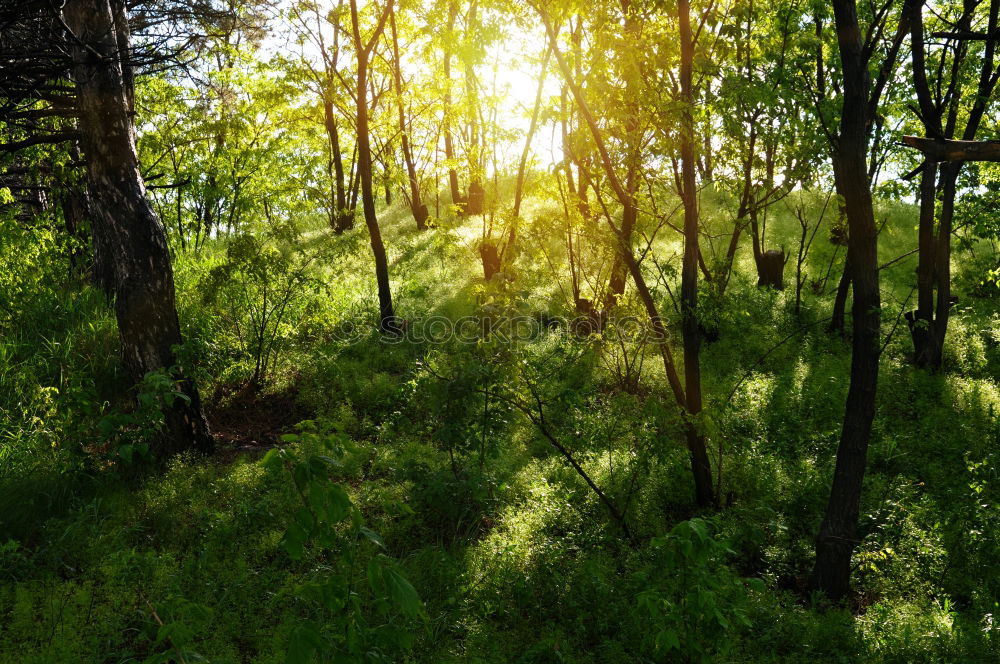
[[704, 493], [837, 323], [689, 268], [771, 270], [921, 320], [942, 267], [123, 219], [770, 264], [619, 273], [929, 323], [417, 208], [387, 316], [491, 258], [342, 218], [449, 145], [477, 194], [837, 536]]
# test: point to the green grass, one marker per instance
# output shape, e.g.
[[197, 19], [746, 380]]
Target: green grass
[[515, 558]]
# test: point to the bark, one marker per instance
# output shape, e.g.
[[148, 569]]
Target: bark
[[490, 257], [126, 228], [689, 267], [771, 270], [355, 181], [929, 323], [387, 316], [954, 150], [837, 536], [837, 323], [342, 219]]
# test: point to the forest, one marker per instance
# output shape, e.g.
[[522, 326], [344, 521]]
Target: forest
[[489, 331]]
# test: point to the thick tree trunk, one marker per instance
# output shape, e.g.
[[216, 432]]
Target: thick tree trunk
[[128, 228], [770, 263], [490, 257], [771, 270], [387, 316], [837, 536]]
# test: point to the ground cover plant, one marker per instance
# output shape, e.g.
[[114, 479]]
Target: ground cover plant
[[488, 331]]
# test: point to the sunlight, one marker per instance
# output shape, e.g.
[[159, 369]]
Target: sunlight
[[386, 331]]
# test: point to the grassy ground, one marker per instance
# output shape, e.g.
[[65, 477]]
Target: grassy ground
[[515, 559]]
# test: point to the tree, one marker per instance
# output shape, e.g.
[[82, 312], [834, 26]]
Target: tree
[[363, 50], [688, 402], [838, 532], [689, 268], [98, 39], [417, 207], [329, 80], [449, 146], [941, 112], [768, 147]]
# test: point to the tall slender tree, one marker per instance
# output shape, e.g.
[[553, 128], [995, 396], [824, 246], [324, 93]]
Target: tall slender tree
[[363, 50], [694, 435], [417, 207], [449, 142], [837, 536]]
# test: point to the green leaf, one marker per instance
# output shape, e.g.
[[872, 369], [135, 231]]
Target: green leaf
[[401, 592], [668, 640], [305, 640], [294, 541], [338, 503], [272, 460], [371, 536]]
